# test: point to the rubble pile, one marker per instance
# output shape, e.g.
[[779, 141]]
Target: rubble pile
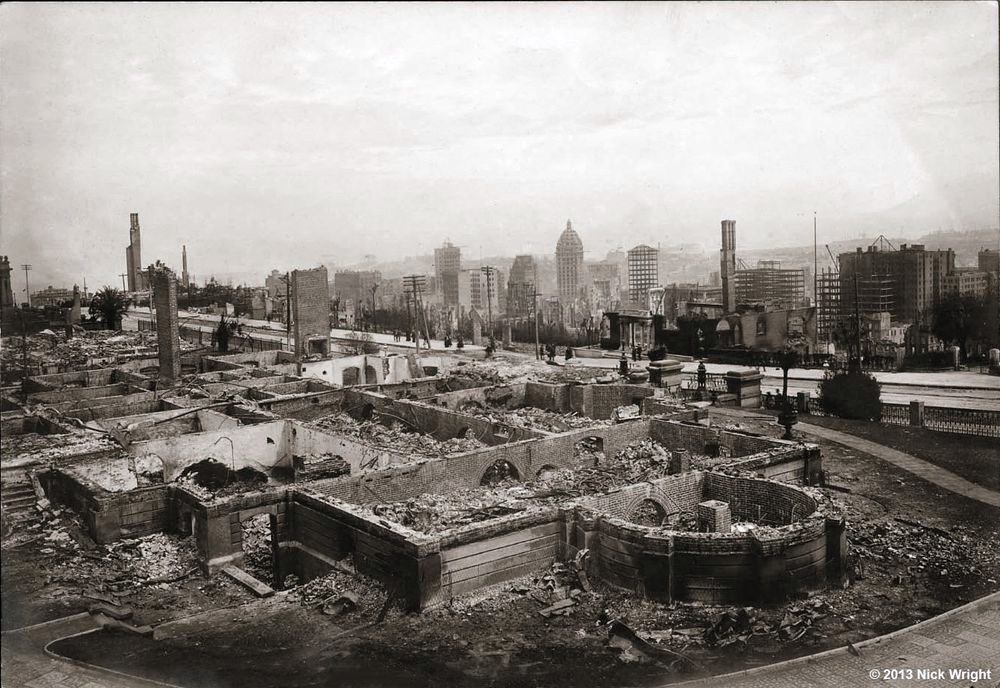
[[396, 437], [534, 418], [257, 556], [89, 348], [51, 448], [320, 466], [367, 595], [646, 460], [436, 513], [153, 558], [502, 369], [557, 591], [947, 557]]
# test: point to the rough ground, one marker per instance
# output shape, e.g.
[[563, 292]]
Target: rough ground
[[921, 551], [976, 459], [51, 568]]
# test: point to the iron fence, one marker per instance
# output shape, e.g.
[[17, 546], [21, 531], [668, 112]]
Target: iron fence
[[979, 422], [714, 382]]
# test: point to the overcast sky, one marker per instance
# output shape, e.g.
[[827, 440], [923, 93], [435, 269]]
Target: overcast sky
[[279, 136]]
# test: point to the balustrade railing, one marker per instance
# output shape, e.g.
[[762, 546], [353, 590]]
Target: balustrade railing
[[980, 422]]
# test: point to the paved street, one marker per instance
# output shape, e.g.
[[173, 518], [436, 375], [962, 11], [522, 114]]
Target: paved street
[[956, 389], [27, 665]]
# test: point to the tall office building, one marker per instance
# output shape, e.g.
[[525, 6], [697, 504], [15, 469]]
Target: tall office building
[[447, 264], [906, 283], [569, 264], [521, 287], [643, 272]]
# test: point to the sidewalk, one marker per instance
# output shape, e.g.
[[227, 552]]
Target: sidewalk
[[27, 664], [923, 469], [965, 638]]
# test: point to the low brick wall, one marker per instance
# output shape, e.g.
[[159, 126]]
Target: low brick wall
[[110, 516], [760, 565], [440, 423]]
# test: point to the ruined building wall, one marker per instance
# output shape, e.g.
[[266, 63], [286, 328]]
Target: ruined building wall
[[164, 284], [311, 311]]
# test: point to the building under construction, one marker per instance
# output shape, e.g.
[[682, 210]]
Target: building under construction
[[904, 282], [769, 284], [827, 304]]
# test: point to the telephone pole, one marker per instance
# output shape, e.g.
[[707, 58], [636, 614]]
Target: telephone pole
[[488, 270], [534, 308], [415, 283], [27, 291]]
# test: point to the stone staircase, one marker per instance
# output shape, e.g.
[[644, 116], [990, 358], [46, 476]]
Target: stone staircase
[[17, 498]]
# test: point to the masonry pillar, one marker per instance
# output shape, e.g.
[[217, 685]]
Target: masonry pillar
[[74, 312], [714, 517], [836, 552], [802, 402], [812, 472], [680, 461], [956, 359], [745, 384], [164, 286], [917, 414]]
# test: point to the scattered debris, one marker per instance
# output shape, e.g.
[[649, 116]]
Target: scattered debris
[[395, 437]]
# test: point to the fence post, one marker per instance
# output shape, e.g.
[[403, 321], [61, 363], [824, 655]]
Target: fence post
[[917, 414], [802, 402]]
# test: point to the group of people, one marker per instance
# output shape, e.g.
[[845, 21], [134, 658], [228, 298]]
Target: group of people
[[550, 352]]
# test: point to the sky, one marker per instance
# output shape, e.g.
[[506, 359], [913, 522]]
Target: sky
[[277, 136]]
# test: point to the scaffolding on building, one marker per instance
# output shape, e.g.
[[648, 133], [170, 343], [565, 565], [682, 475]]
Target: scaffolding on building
[[827, 304], [769, 283]]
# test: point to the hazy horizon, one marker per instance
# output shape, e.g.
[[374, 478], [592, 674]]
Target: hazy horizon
[[269, 136]]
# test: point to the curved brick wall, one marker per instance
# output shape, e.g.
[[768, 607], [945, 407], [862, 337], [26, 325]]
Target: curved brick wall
[[712, 567]]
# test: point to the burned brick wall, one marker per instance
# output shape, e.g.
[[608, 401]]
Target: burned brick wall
[[311, 311]]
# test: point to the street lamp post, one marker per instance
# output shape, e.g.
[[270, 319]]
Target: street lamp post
[[787, 417]]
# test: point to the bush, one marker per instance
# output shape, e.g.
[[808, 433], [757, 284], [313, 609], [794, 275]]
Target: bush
[[851, 394]]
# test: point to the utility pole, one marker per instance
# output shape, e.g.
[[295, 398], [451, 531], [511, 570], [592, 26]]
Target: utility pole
[[415, 282], [374, 288], [815, 262], [488, 270], [534, 308], [288, 309], [857, 322], [27, 290]]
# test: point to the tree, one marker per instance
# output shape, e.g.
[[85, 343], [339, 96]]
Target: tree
[[957, 318], [851, 394], [222, 334], [109, 304]]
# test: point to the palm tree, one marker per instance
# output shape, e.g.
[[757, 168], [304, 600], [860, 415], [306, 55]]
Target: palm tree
[[109, 304]]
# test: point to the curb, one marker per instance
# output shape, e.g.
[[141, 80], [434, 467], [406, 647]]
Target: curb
[[135, 680], [989, 600], [50, 622]]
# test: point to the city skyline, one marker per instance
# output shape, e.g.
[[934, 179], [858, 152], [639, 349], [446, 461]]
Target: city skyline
[[334, 138]]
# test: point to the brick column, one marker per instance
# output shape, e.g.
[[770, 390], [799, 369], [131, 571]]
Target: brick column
[[714, 517], [164, 285], [745, 384], [680, 461]]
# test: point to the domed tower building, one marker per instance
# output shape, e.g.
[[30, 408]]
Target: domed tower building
[[569, 270]]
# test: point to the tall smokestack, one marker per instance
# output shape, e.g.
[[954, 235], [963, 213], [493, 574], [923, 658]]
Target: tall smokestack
[[184, 266], [728, 271], [133, 255]]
